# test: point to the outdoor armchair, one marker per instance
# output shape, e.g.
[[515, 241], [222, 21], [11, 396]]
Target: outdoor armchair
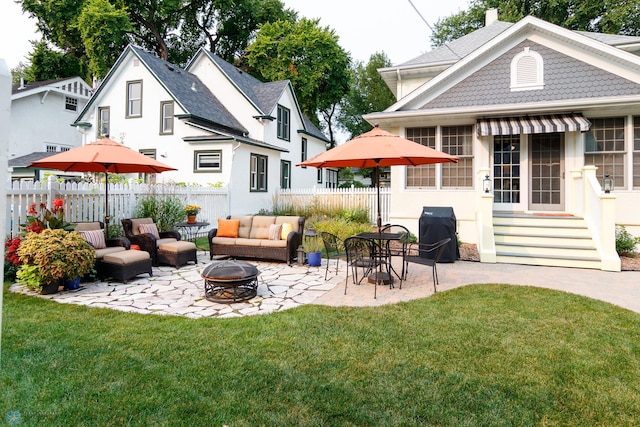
[[142, 232], [93, 232], [361, 254]]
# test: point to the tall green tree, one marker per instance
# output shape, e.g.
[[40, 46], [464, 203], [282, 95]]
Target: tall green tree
[[368, 93], [48, 64], [603, 16], [310, 57], [96, 31]]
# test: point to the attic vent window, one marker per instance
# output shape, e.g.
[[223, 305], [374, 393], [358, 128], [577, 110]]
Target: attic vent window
[[527, 71]]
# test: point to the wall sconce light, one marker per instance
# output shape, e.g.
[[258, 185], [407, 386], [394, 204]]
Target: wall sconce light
[[607, 183], [486, 184]]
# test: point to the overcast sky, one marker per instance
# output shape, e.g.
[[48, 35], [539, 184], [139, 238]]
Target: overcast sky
[[364, 27]]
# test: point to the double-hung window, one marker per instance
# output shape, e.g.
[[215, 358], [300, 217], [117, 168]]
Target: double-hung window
[[258, 173], [422, 176], [283, 123], [285, 174], [303, 151], [604, 148], [103, 121], [458, 141], [134, 99], [166, 118]]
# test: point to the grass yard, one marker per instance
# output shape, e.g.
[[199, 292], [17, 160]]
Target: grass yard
[[488, 355]]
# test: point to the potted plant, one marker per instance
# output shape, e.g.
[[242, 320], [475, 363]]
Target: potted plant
[[191, 211], [313, 248], [51, 256]]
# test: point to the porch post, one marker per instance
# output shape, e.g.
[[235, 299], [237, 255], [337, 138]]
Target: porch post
[[484, 221]]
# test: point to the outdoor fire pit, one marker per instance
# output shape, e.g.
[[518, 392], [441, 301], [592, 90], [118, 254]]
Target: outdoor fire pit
[[230, 281]]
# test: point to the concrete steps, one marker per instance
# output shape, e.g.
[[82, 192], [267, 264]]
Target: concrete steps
[[562, 241]]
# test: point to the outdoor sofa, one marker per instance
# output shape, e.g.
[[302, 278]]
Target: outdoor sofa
[[274, 238]]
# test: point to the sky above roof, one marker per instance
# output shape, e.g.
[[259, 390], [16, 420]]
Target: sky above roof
[[393, 27]]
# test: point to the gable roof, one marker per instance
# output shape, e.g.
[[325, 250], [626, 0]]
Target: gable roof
[[264, 96], [611, 59], [185, 88], [69, 86]]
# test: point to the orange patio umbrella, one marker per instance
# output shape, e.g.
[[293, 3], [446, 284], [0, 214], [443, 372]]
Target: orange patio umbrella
[[104, 155], [378, 148]]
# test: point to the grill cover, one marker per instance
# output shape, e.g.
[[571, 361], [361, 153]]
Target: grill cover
[[435, 224]]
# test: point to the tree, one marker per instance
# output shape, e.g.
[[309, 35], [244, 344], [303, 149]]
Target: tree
[[368, 93], [310, 57], [103, 30], [47, 64], [96, 31], [604, 16]]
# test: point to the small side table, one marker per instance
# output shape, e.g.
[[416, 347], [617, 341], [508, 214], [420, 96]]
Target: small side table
[[190, 230]]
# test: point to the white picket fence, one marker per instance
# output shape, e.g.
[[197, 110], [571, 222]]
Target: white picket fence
[[340, 198], [86, 201]]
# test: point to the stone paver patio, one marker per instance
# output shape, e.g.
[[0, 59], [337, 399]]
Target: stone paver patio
[[181, 291]]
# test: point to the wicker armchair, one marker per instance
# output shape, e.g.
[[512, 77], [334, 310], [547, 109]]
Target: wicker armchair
[[147, 241], [116, 244]]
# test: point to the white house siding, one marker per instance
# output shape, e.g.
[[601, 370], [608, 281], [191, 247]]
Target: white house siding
[[38, 120]]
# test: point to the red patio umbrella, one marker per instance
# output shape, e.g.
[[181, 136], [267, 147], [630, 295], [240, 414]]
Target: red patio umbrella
[[104, 155]]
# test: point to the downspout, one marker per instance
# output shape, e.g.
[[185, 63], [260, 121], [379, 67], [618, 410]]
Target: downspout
[[233, 154]]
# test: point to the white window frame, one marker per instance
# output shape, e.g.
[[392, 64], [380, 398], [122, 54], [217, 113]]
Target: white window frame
[[284, 123], [70, 103], [104, 122], [258, 173]]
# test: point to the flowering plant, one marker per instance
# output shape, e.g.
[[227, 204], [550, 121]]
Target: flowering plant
[[38, 221], [11, 258], [192, 209]]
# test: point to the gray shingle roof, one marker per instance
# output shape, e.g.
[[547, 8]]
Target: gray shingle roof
[[189, 91], [24, 161], [461, 47], [264, 95], [610, 39]]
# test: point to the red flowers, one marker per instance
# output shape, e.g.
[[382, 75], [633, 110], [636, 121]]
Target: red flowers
[[10, 248], [54, 218]]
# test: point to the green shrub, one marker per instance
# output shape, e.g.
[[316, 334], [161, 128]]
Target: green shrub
[[625, 242], [166, 210], [338, 226], [359, 215]]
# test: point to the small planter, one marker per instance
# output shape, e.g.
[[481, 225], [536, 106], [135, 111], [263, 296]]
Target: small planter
[[191, 219], [314, 259], [72, 285], [49, 288]]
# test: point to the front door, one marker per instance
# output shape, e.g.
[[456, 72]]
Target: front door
[[546, 172]]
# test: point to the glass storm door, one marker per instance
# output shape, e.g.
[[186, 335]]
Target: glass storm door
[[546, 182]]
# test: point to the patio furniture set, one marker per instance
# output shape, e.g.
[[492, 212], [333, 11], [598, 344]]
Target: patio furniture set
[[142, 247]]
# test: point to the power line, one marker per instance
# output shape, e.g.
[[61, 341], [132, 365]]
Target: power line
[[430, 27]]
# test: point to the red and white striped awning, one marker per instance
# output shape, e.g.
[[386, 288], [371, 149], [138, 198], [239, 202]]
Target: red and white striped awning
[[548, 123]]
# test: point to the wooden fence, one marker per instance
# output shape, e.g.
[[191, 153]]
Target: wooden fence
[[86, 201]]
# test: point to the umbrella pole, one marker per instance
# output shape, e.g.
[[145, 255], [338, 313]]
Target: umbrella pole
[[106, 203]]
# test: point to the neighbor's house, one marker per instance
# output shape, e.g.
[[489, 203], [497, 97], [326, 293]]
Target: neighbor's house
[[538, 116], [41, 118], [212, 122]]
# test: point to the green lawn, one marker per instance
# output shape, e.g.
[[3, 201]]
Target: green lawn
[[487, 355]]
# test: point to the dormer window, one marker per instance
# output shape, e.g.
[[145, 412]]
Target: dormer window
[[527, 71]]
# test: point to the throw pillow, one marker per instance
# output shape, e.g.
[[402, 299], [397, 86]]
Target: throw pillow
[[95, 238], [287, 228], [151, 229], [228, 227], [274, 231]]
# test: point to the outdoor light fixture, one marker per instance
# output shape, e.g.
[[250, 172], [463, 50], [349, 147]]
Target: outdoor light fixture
[[300, 252], [607, 183], [486, 184]]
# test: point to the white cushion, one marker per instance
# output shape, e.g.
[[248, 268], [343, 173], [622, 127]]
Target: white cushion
[[151, 229], [95, 238]]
